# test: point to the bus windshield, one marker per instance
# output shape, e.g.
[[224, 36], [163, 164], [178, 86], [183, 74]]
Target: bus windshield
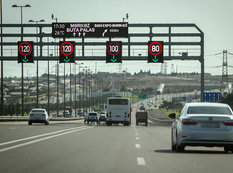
[[118, 101]]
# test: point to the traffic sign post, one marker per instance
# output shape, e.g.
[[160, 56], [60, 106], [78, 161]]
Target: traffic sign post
[[25, 52], [67, 52], [113, 51], [155, 52]]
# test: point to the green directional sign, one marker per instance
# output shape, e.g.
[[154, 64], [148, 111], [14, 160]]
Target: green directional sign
[[67, 52], [25, 52], [143, 96], [113, 51]]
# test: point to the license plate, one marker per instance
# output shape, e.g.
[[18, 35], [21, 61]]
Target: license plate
[[118, 116], [210, 124]]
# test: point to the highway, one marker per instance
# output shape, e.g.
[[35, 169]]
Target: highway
[[76, 147]]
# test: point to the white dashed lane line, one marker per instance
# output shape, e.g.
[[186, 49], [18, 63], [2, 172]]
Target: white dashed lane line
[[137, 138], [137, 146], [141, 161]]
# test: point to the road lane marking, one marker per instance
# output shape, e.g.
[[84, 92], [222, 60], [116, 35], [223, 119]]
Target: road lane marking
[[137, 138], [42, 139], [137, 145], [136, 134], [37, 136], [141, 161]]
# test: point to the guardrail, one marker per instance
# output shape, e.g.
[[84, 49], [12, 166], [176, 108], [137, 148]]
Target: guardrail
[[25, 118]]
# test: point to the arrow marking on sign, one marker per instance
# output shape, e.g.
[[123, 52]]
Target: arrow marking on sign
[[106, 30], [155, 59], [113, 60], [66, 60], [79, 34], [74, 34], [25, 59]]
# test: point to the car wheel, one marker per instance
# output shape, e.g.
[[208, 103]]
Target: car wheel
[[227, 148], [173, 145], [47, 123], [29, 123], [231, 148], [179, 148]]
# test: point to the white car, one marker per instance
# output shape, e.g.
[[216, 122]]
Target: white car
[[203, 124], [38, 115]]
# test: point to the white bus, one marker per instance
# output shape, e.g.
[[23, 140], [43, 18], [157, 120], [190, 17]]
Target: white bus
[[118, 111]]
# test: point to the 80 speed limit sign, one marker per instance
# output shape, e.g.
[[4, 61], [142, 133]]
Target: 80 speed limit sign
[[155, 51]]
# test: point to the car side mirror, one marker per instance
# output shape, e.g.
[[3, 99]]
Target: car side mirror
[[172, 116]]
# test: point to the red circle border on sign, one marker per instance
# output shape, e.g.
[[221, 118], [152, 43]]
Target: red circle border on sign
[[25, 54], [64, 52], [116, 52], [159, 46]]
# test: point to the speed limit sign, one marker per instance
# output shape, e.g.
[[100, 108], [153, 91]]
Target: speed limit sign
[[113, 51], [155, 51], [66, 52], [25, 52]]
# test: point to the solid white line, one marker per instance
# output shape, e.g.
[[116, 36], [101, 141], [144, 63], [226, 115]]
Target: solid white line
[[37, 136], [141, 161], [137, 145], [137, 138], [42, 139]]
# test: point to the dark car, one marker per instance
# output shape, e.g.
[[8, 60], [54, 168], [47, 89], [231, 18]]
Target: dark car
[[92, 117]]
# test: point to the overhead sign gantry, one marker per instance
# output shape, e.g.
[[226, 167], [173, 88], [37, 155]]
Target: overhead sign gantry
[[182, 41]]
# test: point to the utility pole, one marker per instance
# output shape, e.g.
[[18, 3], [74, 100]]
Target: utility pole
[[224, 81]]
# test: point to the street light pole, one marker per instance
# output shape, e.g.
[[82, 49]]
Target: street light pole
[[75, 88], [37, 65], [2, 112], [70, 89], [21, 10], [56, 52]]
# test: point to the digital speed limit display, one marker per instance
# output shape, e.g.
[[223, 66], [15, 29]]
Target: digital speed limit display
[[67, 52], [155, 52], [25, 52], [113, 51]]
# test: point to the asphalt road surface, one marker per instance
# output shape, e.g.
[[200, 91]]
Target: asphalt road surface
[[64, 147]]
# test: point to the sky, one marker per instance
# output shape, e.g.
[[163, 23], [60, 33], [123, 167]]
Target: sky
[[213, 17]]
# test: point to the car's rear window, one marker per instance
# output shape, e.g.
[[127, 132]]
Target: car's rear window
[[93, 114], [118, 101], [209, 110], [38, 111]]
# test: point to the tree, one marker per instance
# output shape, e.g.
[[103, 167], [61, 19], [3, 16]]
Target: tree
[[17, 111], [228, 99], [123, 88]]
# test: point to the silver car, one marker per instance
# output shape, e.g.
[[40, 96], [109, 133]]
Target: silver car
[[203, 124], [38, 116]]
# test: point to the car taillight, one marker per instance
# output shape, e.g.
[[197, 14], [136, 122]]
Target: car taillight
[[128, 115], [189, 122], [228, 123]]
